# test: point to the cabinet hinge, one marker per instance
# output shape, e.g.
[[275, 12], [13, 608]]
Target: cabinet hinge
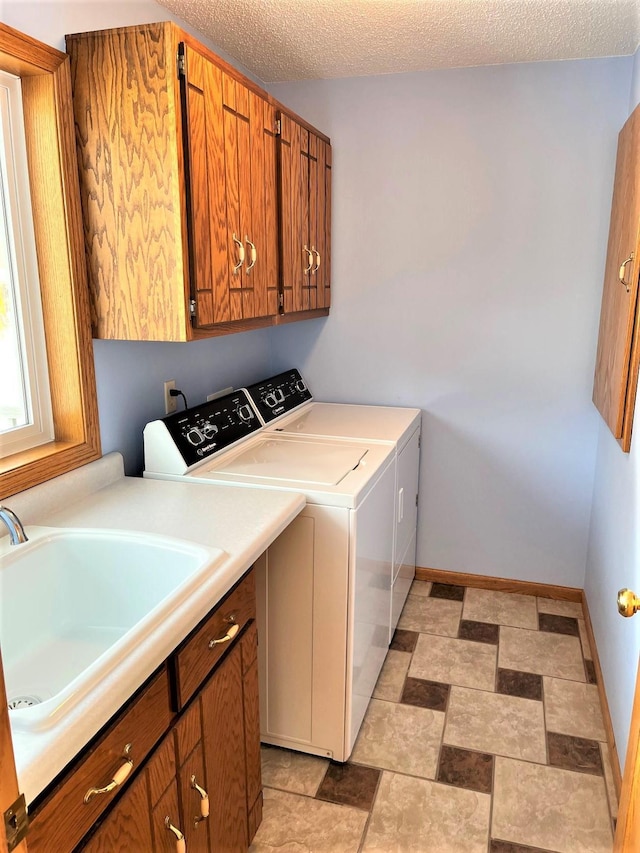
[[16, 823], [278, 130], [182, 65], [192, 307]]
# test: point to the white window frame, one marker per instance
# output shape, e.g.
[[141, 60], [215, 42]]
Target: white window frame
[[15, 196]]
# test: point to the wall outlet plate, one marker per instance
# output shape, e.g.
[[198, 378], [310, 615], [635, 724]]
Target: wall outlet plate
[[170, 403]]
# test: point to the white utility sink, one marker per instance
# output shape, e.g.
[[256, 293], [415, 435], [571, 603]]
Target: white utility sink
[[75, 602]]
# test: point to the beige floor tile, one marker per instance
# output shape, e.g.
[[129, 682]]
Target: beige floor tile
[[539, 651], [560, 608], [392, 675], [422, 588], [400, 737], [608, 778], [452, 661], [501, 608], [431, 615], [418, 816], [293, 824], [584, 639], [292, 771], [550, 808], [491, 722], [572, 708]]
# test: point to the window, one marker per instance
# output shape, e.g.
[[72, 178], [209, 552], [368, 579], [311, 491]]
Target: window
[[25, 399], [52, 176]]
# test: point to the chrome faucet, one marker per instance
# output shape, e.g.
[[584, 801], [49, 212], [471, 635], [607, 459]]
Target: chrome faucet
[[14, 525]]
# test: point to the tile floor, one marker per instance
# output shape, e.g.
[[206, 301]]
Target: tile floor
[[484, 735]]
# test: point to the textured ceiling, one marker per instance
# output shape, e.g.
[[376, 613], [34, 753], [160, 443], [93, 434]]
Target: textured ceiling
[[300, 39]]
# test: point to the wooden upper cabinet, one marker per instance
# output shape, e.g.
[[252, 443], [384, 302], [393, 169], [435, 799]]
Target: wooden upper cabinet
[[618, 357], [177, 161], [305, 217]]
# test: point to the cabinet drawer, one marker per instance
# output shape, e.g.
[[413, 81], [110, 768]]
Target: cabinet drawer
[[194, 661], [62, 820]]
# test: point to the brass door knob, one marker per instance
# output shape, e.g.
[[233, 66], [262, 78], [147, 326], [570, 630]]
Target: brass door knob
[[628, 602]]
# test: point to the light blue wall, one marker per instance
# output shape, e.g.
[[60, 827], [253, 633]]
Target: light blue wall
[[130, 376], [470, 223], [614, 553]]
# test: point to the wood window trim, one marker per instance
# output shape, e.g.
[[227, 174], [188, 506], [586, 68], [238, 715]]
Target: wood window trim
[[55, 194]]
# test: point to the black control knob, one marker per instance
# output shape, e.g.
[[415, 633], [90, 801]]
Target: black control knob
[[300, 386], [209, 430], [244, 413], [279, 395], [270, 399], [194, 437]]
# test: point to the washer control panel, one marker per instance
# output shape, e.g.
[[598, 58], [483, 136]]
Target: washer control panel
[[206, 429], [279, 394]]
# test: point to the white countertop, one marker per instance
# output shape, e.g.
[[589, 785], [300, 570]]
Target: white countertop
[[241, 521]]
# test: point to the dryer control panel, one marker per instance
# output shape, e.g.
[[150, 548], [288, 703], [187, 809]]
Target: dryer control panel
[[279, 394], [203, 430]]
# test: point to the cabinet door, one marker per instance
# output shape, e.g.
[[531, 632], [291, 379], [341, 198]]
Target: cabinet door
[[251, 707], [616, 374], [128, 825], [168, 827], [295, 259], [224, 756], [191, 784]]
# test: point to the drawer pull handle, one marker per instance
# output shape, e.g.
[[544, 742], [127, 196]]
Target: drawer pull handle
[[309, 258], [623, 269], [204, 801], [118, 778], [231, 633], [238, 243], [181, 844], [253, 254], [317, 266]]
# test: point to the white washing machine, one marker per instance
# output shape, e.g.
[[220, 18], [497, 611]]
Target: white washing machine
[[323, 586], [286, 406]]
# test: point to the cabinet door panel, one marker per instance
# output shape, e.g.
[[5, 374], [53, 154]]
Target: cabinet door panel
[[326, 258], [164, 840], [196, 828], [234, 233], [127, 827], [301, 292], [245, 187], [251, 717], [223, 729], [616, 369], [263, 206]]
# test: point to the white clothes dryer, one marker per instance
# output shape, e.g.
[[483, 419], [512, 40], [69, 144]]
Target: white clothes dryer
[[286, 406]]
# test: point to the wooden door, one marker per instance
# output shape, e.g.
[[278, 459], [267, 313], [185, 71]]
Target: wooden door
[[191, 777], [628, 825], [224, 755], [616, 374], [293, 201], [320, 220], [251, 709], [127, 827], [205, 186]]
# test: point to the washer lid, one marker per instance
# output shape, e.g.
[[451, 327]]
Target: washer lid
[[312, 462], [341, 420]]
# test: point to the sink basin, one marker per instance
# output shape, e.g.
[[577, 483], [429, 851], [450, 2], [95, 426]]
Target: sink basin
[[73, 603]]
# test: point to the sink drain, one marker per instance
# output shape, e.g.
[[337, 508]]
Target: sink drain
[[23, 702]]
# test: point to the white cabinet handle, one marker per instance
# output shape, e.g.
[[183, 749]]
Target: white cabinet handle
[[118, 778], [309, 258], [238, 243], [622, 271], [253, 254], [231, 632], [181, 844], [204, 801]]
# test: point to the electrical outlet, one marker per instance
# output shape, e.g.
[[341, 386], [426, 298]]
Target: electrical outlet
[[217, 394], [170, 403]]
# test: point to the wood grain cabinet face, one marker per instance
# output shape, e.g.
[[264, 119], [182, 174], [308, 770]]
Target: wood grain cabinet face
[[178, 183], [618, 356], [305, 217]]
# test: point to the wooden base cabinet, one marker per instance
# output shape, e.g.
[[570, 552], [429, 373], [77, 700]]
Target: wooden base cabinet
[[200, 788]]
